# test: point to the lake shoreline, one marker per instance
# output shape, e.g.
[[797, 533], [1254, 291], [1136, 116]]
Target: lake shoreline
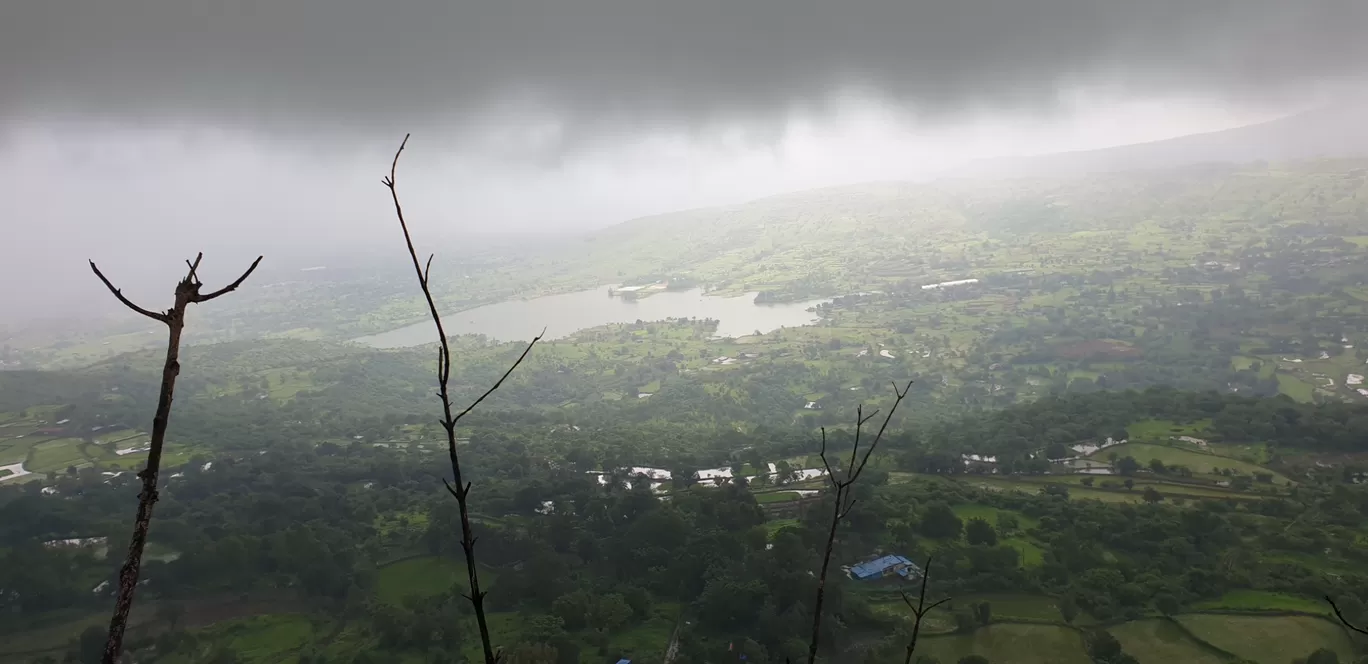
[[565, 314]]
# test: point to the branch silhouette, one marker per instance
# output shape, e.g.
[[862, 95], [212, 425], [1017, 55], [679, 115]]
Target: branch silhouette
[[844, 503], [458, 487], [1343, 620], [187, 293], [920, 610]]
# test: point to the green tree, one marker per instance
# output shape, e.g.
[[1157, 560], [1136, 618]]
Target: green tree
[[940, 522], [983, 611], [1127, 465], [1007, 523], [1167, 604], [541, 628], [965, 620], [610, 612], [640, 600], [979, 531], [1152, 495], [1068, 609]]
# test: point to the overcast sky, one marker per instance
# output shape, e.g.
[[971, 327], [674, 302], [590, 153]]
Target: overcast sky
[[134, 128]]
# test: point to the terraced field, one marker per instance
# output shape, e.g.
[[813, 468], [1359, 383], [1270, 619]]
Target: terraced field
[[1271, 640]]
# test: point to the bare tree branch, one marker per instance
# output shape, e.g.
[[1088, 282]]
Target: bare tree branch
[[1344, 620], [187, 293], [831, 474], [230, 287], [457, 487], [844, 502], [920, 610], [190, 277], [879, 436], [128, 303], [502, 378]]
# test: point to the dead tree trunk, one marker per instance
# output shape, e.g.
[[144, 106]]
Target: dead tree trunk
[[458, 487], [187, 293], [844, 502]]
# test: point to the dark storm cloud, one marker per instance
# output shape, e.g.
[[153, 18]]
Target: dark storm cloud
[[347, 64]]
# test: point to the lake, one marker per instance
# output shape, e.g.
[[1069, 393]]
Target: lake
[[563, 315]]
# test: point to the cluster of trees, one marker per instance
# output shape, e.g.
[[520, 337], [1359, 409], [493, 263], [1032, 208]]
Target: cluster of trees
[[581, 563]]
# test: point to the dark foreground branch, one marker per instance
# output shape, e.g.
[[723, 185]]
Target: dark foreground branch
[[187, 293], [458, 487], [1342, 619], [843, 504], [920, 610]]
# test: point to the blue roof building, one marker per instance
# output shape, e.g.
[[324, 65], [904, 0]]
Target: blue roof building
[[624, 661], [884, 567]]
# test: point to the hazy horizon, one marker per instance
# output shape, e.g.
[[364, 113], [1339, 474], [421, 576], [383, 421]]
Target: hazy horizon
[[141, 133]]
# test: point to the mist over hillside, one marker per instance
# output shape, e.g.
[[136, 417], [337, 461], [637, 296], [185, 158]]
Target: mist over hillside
[[1337, 130], [684, 332]]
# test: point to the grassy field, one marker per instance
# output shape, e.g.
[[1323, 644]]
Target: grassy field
[[991, 483], [1296, 388], [55, 455], [1020, 644], [54, 452], [1077, 491], [1165, 429], [1255, 453], [53, 638], [1158, 640], [776, 497], [1274, 640], [1259, 600], [421, 577], [776, 525], [392, 523], [642, 642], [990, 514], [1031, 554], [264, 639], [1198, 462], [1022, 607]]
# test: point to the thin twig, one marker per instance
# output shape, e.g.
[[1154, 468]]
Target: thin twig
[[502, 378], [457, 487], [233, 286], [920, 610], [128, 303]]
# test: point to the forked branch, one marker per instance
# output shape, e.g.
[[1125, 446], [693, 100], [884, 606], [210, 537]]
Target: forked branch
[[457, 487], [920, 610], [844, 502], [187, 293]]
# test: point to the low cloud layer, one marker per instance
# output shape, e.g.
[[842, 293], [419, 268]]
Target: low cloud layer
[[140, 131], [628, 65]]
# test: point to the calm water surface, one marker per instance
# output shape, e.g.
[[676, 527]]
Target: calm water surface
[[562, 315]]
